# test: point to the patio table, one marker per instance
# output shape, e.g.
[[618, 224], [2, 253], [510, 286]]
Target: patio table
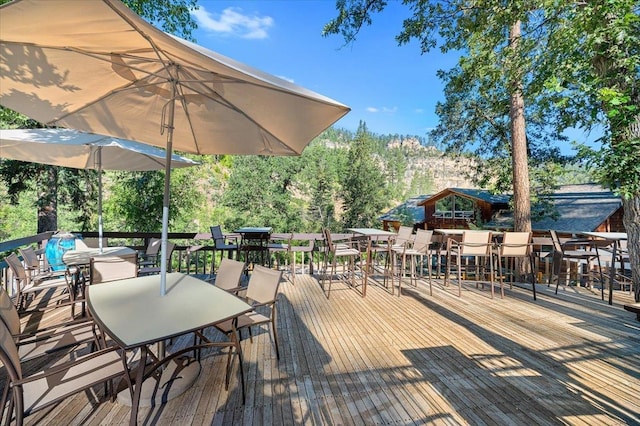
[[615, 238], [83, 256], [122, 310], [371, 234], [254, 240]]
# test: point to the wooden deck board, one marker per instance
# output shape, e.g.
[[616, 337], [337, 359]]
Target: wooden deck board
[[568, 358]]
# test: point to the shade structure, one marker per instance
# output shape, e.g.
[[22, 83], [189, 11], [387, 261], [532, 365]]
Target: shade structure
[[96, 66], [80, 150]]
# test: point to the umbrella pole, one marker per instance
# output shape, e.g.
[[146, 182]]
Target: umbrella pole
[[99, 157], [165, 206], [165, 203]]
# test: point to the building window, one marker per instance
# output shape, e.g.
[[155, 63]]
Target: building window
[[455, 207]]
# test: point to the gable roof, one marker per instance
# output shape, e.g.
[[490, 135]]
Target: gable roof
[[474, 193], [579, 208]]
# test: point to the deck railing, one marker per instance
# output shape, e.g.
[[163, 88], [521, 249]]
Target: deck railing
[[193, 252]]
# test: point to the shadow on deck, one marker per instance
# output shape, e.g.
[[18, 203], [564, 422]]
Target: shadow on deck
[[417, 359]]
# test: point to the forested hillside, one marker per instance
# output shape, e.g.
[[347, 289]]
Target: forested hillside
[[342, 179]]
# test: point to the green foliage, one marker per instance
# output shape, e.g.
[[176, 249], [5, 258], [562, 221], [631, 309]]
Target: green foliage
[[172, 16], [135, 201], [321, 169], [577, 65], [396, 166], [16, 219], [404, 215], [260, 193], [10, 119]]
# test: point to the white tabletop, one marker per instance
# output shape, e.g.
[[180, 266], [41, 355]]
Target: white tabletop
[[253, 230], [371, 232], [450, 231], [83, 256], [133, 312], [607, 235], [462, 231]]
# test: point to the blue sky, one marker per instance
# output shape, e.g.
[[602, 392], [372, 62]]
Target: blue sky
[[394, 89]]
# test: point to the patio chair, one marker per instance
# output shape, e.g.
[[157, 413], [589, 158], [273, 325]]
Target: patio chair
[[262, 295], [579, 251], [90, 242], [110, 268], [36, 268], [44, 341], [622, 257], [223, 244], [414, 251], [405, 236], [27, 285], [475, 246], [150, 257], [515, 245], [229, 275], [152, 270], [344, 250], [28, 394]]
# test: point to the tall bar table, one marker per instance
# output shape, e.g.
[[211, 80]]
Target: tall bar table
[[615, 238], [371, 234]]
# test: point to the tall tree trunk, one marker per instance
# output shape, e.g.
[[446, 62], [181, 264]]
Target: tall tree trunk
[[48, 200], [519, 158], [631, 208], [631, 220]]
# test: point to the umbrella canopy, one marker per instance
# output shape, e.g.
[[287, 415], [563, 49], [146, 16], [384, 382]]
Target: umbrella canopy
[[97, 66], [79, 150]]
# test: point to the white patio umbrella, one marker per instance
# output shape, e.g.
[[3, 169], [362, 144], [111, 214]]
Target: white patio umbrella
[[96, 66], [80, 150]]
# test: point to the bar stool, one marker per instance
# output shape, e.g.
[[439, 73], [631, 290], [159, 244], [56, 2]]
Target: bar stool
[[222, 243], [578, 251], [304, 249]]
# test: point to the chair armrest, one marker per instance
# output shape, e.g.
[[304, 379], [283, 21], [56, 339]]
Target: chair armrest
[[56, 369], [515, 245], [235, 290], [257, 305], [455, 243], [53, 330], [575, 243], [231, 237]]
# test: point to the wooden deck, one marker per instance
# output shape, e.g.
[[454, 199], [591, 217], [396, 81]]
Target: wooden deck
[[415, 359]]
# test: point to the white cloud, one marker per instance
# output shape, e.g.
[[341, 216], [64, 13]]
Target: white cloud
[[387, 110], [233, 22], [419, 110]]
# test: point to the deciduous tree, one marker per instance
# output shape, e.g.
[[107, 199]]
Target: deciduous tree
[[575, 63]]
